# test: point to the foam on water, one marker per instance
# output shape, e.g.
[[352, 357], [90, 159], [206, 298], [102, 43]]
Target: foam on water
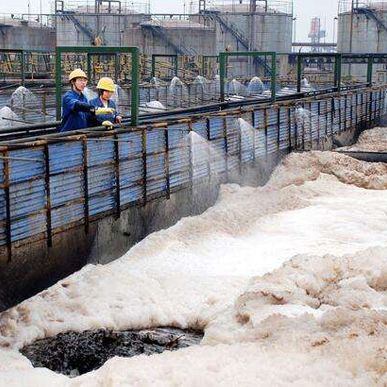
[[8, 118], [22, 97], [236, 88], [255, 86], [288, 281]]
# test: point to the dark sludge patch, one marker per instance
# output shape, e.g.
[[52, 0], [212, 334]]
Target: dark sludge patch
[[74, 353]]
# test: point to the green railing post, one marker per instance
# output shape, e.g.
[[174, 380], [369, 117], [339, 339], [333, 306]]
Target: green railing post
[[135, 85], [89, 70], [300, 61], [370, 70], [222, 74], [273, 77], [338, 67], [58, 83]]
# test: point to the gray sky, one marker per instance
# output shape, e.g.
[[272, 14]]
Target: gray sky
[[304, 11]]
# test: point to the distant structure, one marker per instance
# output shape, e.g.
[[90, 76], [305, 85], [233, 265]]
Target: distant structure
[[362, 28], [26, 33], [316, 34]]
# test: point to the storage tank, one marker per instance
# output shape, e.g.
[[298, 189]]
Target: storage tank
[[260, 25], [367, 35], [92, 22]]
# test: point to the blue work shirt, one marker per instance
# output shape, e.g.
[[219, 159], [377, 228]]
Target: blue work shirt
[[98, 119], [73, 118]]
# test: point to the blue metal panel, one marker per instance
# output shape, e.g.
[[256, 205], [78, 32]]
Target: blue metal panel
[[28, 226], [130, 144], [22, 164], [201, 150], [67, 214], [272, 130], [216, 127], [131, 172], [65, 156], [233, 142], [66, 188], [247, 139], [2, 206], [284, 129], [179, 159]]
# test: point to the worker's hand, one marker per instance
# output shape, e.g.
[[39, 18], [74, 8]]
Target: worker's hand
[[101, 110], [108, 125], [119, 119]]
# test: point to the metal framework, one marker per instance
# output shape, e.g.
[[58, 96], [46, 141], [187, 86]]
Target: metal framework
[[173, 56], [340, 59], [254, 54], [133, 51]]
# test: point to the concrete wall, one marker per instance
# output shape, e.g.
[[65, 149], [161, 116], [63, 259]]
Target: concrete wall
[[366, 38], [110, 27], [27, 38]]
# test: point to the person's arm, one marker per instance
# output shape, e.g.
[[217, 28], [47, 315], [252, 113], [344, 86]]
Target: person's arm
[[75, 105], [117, 115]]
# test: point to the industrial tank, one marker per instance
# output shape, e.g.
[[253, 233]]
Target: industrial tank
[[362, 31]]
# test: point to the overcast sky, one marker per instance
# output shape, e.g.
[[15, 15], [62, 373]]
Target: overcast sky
[[304, 10]]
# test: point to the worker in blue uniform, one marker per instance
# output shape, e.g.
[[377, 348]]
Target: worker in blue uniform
[[106, 90], [76, 109]]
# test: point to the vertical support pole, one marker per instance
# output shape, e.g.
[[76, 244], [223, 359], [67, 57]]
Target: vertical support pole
[[144, 162], [299, 72], [203, 66], [225, 146], [289, 129], [135, 86], [266, 123], [254, 136], [7, 207], [190, 156], [89, 69], [166, 160], [278, 128], [338, 72], [58, 83], [117, 173], [85, 183], [48, 194], [273, 76], [116, 67], [222, 75], [369, 70]]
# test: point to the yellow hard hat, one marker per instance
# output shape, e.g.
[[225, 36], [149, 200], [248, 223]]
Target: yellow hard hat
[[106, 84], [77, 73]]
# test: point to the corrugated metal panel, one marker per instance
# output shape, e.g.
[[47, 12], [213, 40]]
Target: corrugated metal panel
[[179, 157], [272, 132], [201, 150], [218, 160], [2, 205], [260, 136], [233, 142]]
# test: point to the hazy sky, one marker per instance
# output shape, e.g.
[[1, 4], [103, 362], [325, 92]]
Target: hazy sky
[[304, 10]]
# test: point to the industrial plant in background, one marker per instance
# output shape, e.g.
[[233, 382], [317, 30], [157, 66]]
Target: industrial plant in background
[[316, 34]]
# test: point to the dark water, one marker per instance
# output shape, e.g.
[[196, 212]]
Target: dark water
[[74, 353]]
